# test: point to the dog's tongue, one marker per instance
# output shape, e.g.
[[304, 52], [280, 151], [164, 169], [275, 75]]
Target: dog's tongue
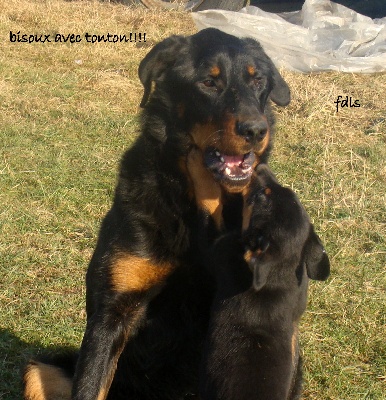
[[234, 167], [231, 161]]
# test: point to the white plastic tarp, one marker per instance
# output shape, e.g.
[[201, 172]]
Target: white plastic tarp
[[322, 36]]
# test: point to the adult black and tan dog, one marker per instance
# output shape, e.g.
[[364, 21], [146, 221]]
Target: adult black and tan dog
[[262, 275], [205, 127]]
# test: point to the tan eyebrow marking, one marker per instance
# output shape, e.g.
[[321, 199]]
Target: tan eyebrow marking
[[215, 71], [251, 70]]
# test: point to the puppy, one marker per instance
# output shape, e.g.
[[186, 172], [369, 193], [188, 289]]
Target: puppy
[[252, 349]]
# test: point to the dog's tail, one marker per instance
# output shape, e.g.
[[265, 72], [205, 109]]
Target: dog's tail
[[49, 378]]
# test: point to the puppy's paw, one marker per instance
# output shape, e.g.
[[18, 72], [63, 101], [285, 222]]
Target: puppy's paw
[[255, 249]]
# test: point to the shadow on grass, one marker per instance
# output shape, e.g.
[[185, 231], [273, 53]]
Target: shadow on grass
[[14, 354]]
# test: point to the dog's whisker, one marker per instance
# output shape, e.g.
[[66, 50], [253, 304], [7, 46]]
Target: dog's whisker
[[213, 137]]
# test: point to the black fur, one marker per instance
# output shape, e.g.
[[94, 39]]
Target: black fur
[[261, 278], [158, 331]]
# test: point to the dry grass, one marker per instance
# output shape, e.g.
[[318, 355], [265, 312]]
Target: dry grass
[[67, 113], [335, 161]]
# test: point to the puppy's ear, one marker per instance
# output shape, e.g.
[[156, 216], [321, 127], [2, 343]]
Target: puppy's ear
[[258, 262], [161, 57], [315, 258], [261, 271]]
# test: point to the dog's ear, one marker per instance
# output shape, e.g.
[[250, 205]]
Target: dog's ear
[[280, 93], [316, 258], [161, 57], [257, 260], [261, 271]]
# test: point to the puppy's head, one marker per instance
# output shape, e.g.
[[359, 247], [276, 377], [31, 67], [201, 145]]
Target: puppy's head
[[279, 231], [214, 88]]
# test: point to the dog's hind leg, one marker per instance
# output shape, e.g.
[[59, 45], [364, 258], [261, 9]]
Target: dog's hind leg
[[46, 382]]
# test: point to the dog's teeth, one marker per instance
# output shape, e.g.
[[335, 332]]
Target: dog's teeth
[[222, 159], [227, 171], [218, 154]]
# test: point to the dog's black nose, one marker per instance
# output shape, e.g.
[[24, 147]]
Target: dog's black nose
[[252, 130]]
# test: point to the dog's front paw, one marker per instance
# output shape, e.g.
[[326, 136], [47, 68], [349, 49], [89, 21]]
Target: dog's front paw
[[257, 206]]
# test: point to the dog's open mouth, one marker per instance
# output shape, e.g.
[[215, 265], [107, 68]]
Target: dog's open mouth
[[235, 169]]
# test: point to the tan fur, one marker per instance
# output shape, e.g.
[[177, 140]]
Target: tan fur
[[248, 256], [46, 382], [215, 71], [207, 192], [295, 346], [251, 70], [295, 357], [232, 143], [132, 273], [103, 394], [222, 137]]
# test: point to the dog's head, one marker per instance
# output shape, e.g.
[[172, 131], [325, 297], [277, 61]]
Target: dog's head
[[214, 88], [280, 232]]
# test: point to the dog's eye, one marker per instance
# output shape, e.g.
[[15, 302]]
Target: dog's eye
[[257, 82], [209, 86], [209, 83]]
